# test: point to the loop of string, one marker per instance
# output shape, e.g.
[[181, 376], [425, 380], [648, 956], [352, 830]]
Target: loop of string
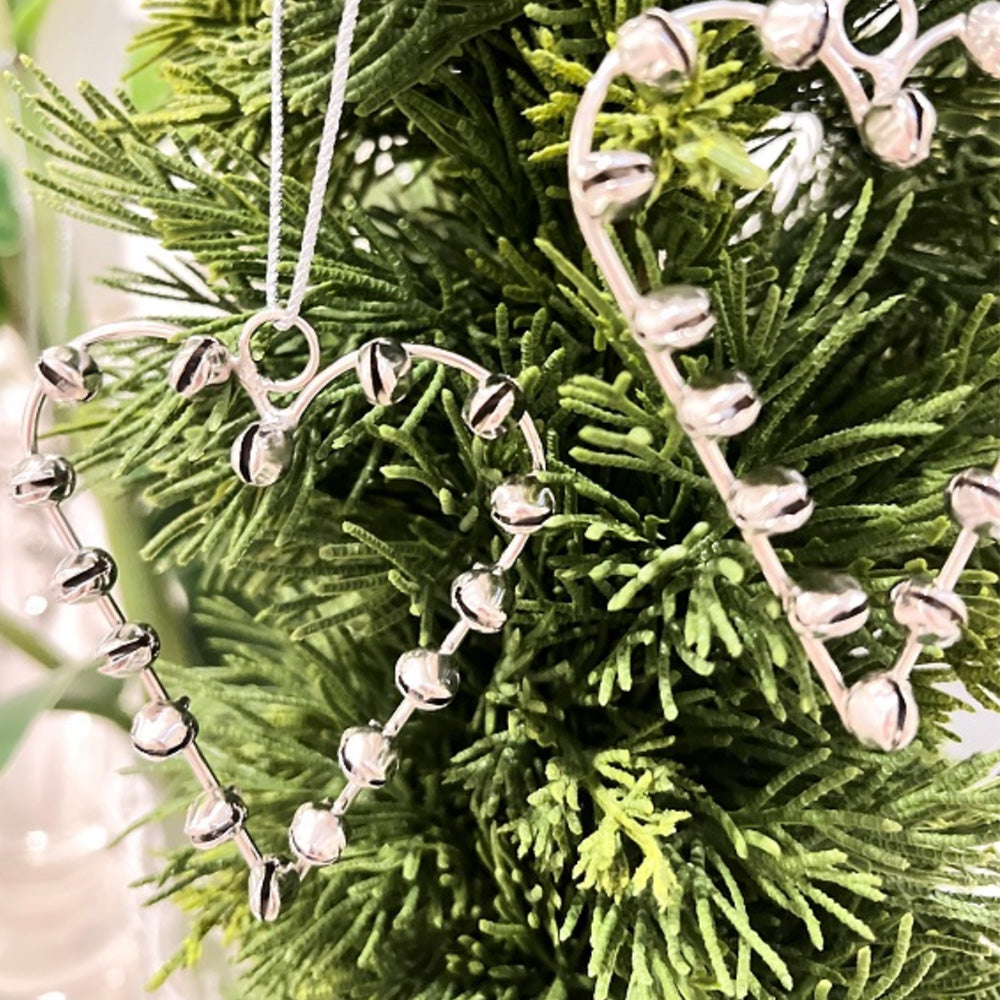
[[321, 177]]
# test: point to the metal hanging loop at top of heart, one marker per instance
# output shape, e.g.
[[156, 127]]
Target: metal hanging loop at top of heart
[[259, 386]]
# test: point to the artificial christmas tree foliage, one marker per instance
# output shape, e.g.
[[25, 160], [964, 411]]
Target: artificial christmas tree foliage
[[639, 792]]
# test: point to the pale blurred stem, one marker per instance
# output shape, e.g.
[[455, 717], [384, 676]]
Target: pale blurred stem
[[89, 692], [143, 591], [46, 305], [27, 640], [51, 314], [96, 695]]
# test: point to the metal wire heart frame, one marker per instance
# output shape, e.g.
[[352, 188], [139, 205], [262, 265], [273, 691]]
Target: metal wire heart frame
[[660, 49], [426, 678]]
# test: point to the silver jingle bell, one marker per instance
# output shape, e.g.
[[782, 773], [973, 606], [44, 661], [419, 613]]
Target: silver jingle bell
[[792, 32], [68, 374], [84, 576], [128, 650], [673, 318], [832, 605], [973, 499], [496, 403], [40, 479], [274, 883], [770, 501], [317, 835], [261, 454], [161, 729], [882, 712], [521, 504], [426, 678], [898, 129], [483, 599], [214, 818], [933, 617], [367, 756], [982, 36], [201, 362], [658, 49], [719, 407], [383, 369], [611, 182]]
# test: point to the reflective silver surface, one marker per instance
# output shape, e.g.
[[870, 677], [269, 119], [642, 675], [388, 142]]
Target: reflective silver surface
[[770, 501], [85, 575], [674, 318], [40, 479], [427, 678], [882, 712], [200, 362], [898, 128], [934, 617], [482, 597], [273, 883], [161, 729], [496, 404], [317, 835], [367, 756], [721, 406], [215, 817], [521, 505], [383, 370], [128, 649], [68, 374]]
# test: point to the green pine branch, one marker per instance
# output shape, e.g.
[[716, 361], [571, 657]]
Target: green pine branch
[[641, 792]]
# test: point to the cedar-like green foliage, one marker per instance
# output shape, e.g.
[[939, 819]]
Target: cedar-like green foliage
[[641, 792]]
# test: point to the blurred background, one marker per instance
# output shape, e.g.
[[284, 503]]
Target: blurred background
[[71, 928]]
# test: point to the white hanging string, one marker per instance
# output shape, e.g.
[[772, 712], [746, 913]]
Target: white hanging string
[[327, 145]]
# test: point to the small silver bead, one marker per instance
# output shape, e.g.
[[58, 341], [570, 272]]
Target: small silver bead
[[274, 883], [483, 599], [162, 728], [657, 48], [613, 181], [214, 818], [427, 679], [719, 407], [367, 756], [882, 712], [933, 617], [521, 504], [793, 31], [261, 454], [496, 403], [383, 369], [673, 318], [128, 650], [84, 576], [973, 499], [770, 501], [40, 479], [317, 834], [982, 36], [68, 374], [200, 362], [829, 606], [898, 129]]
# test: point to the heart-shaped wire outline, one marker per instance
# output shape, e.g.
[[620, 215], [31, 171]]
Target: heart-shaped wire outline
[[219, 815]]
